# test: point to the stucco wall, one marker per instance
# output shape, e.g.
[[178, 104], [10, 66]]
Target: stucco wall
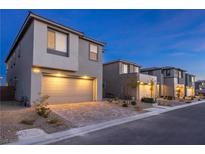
[[44, 59], [86, 67], [22, 68], [111, 79]]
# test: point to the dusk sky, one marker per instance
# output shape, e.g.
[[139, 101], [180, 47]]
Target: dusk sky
[[147, 37]]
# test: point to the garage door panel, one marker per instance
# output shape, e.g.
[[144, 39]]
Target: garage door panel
[[62, 90]]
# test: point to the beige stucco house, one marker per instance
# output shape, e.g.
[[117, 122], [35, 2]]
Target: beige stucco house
[[123, 79]]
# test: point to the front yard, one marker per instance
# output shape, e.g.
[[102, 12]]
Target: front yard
[[14, 118], [87, 113]]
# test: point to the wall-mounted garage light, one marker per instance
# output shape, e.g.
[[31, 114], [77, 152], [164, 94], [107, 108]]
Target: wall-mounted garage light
[[85, 77], [59, 75], [36, 70]]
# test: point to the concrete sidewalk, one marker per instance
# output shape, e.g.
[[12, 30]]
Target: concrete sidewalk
[[36, 136]]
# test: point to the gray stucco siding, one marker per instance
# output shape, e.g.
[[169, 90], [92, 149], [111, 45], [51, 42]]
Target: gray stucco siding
[[42, 58], [23, 64], [86, 68]]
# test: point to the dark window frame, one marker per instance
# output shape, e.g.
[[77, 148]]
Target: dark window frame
[[93, 52], [168, 72], [54, 51]]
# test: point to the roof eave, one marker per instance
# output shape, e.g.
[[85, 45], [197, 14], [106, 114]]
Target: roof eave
[[32, 16]]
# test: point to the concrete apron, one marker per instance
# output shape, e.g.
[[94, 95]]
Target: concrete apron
[[39, 137]]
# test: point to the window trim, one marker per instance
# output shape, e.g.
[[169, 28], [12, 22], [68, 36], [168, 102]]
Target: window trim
[[57, 52], [92, 52]]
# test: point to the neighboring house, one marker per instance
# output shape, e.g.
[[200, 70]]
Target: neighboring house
[[48, 58], [123, 79], [200, 87], [170, 80], [189, 85]]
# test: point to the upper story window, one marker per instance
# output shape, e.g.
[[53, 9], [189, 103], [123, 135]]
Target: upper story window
[[124, 69], [180, 74], [93, 53], [57, 42], [168, 72], [192, 79], [136, 69], [150, 72], [133, 69]]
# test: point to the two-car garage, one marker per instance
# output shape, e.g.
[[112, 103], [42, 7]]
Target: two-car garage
[[66, 89]]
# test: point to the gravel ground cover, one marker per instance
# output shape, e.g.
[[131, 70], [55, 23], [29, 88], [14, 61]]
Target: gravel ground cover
[[87, 113], [11, 118]]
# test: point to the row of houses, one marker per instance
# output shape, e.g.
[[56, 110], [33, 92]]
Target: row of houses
[[51, 59], [126, 79]]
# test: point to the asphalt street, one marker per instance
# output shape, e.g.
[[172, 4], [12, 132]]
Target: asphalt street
[[179, 127]]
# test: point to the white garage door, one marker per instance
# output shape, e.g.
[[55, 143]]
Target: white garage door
[[64, 90], [145, 91], [189, 91]]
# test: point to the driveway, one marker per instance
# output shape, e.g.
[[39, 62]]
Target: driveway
[[87, 113], [178, 127], [9, 106]]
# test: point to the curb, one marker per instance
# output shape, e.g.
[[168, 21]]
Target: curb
[[58, 136]]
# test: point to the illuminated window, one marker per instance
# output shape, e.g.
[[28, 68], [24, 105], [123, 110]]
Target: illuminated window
[[192, 79], [57, 41], [93, 53], [136, 69], [180, 74], [124, 69]]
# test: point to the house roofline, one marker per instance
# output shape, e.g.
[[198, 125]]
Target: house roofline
[[190, 74], [161, 68], [124, 61], [31, 16]]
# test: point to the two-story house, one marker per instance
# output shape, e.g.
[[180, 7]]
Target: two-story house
[[123, 79], [170, 80], [51, 59], [200, 87], [189, 85]]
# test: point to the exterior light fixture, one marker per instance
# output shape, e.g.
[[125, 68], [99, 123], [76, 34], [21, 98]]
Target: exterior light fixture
[[59, 75], [36, 70], [85, 77]]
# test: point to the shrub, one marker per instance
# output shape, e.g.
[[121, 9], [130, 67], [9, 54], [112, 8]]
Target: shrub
[[110, 100], [42, 110], [41, 107], [55, 121], [169, 97], [116, 99], [133, 102], [27, 121], [124, 104], [148, 100]]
